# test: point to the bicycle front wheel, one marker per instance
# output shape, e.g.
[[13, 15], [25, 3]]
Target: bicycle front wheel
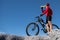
[[32, 29]]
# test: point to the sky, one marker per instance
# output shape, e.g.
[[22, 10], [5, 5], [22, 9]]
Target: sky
[[15, 15]]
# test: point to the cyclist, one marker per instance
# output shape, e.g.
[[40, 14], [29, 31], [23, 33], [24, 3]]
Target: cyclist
[[48, 12]]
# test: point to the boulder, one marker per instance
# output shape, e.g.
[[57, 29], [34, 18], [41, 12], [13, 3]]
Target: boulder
[[54, 35]]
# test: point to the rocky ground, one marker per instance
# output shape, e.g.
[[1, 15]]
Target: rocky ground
[[54, 35]]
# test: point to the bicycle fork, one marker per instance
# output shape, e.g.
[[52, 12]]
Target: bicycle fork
[[35, 26]]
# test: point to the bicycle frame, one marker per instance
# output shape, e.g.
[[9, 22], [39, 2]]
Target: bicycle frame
[[40, 20]]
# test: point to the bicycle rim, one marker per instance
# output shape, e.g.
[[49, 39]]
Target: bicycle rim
[[31, 32], [54, 26]]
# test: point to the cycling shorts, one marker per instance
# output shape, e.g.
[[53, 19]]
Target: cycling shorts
[[48, 18]]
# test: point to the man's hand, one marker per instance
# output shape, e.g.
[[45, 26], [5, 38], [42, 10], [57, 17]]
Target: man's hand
[[41, 14], [41, 8]]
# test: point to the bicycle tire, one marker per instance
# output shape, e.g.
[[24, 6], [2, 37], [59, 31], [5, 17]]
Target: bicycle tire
[[55, 26], [29, 26]]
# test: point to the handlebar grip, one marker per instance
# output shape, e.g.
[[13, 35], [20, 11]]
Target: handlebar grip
[[41, 14]]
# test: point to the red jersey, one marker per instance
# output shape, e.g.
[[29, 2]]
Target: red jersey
[[48, 11]]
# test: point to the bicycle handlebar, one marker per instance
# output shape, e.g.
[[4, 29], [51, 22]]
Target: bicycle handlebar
[[40, 19], [37, 17]]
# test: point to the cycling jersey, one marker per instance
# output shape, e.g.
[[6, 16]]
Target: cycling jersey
[[48, 11]]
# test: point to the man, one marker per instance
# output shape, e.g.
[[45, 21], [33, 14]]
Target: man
[[48, 12]]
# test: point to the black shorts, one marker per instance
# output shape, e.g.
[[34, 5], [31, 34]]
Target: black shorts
[[48, 18]]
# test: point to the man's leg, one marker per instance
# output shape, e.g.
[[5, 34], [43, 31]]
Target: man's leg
[[50, 24], [47, 27]]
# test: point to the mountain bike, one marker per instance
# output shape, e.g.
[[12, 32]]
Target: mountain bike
[[33, 27]]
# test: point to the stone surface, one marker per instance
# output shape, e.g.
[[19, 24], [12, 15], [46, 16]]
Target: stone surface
[[54, 35]]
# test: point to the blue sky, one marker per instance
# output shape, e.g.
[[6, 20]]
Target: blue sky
[[16, 14]]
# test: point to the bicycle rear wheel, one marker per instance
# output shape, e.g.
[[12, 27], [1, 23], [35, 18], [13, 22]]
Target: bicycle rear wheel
[[55, 26], [32, 29]]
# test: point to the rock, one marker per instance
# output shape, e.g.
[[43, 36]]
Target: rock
[[10, 37], [37, 38], [54, 35]]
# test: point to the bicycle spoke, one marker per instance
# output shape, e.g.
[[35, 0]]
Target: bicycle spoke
[[32, 29]]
